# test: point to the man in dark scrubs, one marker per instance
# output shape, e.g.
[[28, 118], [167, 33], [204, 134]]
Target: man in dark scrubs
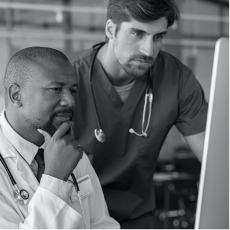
[[114, 78]]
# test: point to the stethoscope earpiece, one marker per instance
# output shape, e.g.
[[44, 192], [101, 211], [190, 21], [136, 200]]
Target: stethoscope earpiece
[[143, 134]]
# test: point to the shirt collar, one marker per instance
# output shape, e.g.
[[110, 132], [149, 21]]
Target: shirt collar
[[25, 148]]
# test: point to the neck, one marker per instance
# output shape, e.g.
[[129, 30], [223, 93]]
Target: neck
[[113, 70], [23, 128]]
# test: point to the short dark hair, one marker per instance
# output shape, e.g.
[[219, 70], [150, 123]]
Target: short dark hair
[[19, 68], [142, 10]]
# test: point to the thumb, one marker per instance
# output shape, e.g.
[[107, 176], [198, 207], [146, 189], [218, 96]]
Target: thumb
[[46, 135]]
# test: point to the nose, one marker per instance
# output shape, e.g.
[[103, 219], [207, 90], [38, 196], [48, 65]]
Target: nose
[[67, 99], [147, 47]]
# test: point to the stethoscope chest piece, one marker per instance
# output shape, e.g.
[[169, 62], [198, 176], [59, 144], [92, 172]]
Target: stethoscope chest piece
[[100, 135], [21, 197]]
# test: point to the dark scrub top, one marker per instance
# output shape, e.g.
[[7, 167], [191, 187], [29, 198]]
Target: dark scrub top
[[125, 163]]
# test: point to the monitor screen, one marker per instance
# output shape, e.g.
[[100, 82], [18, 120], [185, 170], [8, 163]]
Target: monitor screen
[[213, 199]]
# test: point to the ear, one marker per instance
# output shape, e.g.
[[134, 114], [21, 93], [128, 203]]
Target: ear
[[15, 95], [110, 28]]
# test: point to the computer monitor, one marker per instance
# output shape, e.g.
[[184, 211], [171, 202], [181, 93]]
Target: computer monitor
[[213, 198]]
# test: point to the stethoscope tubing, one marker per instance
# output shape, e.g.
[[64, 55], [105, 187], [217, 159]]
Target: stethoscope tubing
[[7, 170], [150, 97], [19, 195], [91, 85], [144, 111]]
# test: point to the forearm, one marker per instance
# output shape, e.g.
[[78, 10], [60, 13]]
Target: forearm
[[196, 144]]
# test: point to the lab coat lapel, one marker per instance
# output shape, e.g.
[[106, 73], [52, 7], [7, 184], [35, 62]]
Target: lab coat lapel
[[21, 172], [27, 173], [23, 182], [8, 151]]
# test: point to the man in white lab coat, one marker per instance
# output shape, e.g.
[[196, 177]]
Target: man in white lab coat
[[39, 102]]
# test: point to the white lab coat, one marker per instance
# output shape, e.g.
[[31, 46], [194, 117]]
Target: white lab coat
[[46, 209]]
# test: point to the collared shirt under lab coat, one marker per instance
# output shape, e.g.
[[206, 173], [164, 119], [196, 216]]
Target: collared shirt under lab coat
[[53, 203]]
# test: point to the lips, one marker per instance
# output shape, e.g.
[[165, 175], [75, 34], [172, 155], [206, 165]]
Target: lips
[[64, 116], [143, 61]]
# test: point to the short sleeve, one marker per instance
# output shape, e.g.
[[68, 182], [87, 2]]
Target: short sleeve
[[192, 105]]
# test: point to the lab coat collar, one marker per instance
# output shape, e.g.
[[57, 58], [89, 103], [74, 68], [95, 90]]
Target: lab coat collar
[[26, 149], [8, 137]]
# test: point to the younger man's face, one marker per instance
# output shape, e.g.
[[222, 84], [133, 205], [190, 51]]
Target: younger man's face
[[137, 44]]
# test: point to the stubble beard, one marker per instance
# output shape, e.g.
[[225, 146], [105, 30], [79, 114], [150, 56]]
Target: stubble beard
[[48, 127], [127, 66]]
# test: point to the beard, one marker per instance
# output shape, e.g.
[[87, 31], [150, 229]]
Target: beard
[[50, 126], [130, 66], [135, 71]]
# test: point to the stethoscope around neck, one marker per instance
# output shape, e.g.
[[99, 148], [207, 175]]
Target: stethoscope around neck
[[20, 196], [99, 133]]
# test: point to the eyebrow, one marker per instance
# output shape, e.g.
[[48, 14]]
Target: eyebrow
[[60, 84], [162, 33], [144, 32]]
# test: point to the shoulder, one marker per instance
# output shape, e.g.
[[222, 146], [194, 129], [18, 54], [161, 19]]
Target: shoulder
[[81, 62], [179, 72], [171, 69], [171, 62], [80, 57]]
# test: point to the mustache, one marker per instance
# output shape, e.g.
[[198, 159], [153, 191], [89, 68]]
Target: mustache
[[144, 58], [59, 112]]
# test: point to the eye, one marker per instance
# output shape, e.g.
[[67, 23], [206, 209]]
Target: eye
[[73, 91], [137, 33], [158, 38], [56, 89]]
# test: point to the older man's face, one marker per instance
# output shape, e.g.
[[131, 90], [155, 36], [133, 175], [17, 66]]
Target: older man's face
[[48, 99]]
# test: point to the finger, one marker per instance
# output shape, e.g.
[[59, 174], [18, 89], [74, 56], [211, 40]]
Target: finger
[[62, 130], [71, 130], [80, 150], [46, 135], [68, 137]]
